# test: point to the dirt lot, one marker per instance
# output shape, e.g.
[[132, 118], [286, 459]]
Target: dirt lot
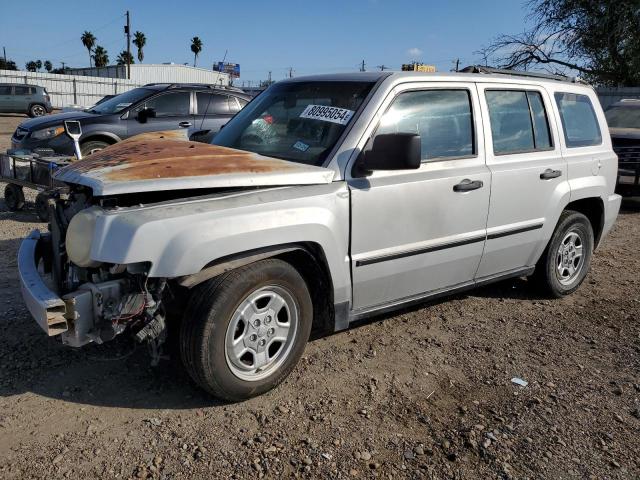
[[425, 393]]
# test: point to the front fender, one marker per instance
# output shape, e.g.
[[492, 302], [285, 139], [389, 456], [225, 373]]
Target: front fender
[[181, 238]]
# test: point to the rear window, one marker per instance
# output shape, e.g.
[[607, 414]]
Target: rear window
[[579, 120]]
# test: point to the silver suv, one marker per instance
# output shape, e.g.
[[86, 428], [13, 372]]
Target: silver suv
[[30, 99], [326, 200]]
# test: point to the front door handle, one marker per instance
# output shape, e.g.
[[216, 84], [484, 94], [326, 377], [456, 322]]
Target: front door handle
[[467, 185], [549, 174], [184, 124]]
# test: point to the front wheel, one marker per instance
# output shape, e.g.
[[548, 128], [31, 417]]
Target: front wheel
[[37, 110], [92, 146], [566, 260], [244, 332]]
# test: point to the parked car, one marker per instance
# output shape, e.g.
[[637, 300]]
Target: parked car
[[624, 126], [20, 98], [370, 192], [203, 109]]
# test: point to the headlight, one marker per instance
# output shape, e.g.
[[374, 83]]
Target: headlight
[[47, 133], [80, 235]]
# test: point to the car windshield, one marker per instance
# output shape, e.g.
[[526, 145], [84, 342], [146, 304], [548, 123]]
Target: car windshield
[[297, 121], [122, 101], [623, 117]]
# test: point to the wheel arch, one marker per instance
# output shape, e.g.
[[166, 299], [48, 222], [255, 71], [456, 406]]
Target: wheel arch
[[109, 138], [593, 209], [308, 258]]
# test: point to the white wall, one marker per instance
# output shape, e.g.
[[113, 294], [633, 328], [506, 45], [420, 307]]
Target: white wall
[[61, 88], [157, 73]]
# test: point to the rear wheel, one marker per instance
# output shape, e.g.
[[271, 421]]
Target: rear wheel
[[37, 110], [244, 332], [566, 260], [14, 197], [92, 146]]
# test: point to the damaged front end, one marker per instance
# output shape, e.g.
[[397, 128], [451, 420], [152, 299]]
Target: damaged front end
[[80, 299]]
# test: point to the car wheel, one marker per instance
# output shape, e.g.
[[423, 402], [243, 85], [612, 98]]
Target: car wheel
[[14, 197], [244, 332], [92, 146], [37, 110], [42, 206], [567, 258]]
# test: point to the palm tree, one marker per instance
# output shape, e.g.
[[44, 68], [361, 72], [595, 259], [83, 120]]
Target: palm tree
[[88, 40], [38, 64], [100, 57], [48, 66], [122, 58], [31, 66], [196, 48], [139, 40]]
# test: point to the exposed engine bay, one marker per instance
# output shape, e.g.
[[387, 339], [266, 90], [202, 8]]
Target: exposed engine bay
[[102, 300]]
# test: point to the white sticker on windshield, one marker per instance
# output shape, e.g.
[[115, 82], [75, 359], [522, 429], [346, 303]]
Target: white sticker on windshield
[[120, 106], [327, 114]]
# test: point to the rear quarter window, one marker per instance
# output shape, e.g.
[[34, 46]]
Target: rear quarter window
[[579, 121]]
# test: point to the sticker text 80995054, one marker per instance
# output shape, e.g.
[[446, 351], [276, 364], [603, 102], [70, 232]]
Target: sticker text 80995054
[[327, 114]]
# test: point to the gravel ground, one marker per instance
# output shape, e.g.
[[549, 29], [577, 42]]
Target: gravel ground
[[423, 393]]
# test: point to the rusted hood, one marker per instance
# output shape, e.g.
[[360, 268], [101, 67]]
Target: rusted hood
[[169, 161]]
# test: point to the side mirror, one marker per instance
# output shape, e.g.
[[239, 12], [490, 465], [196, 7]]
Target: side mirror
[[392, 151], [74, 130], [145, 114]]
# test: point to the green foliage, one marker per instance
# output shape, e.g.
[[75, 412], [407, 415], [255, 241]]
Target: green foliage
[[139, 40], [196, 48], [600, 39], [89, 41], [100, 57], [122, 58]]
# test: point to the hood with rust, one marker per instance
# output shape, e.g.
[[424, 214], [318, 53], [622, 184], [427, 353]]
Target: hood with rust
[[162, 161]]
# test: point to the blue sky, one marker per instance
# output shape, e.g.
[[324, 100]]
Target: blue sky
[[320, 36]]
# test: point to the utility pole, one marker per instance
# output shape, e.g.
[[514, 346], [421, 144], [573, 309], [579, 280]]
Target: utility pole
[[362, 67], [63, 70], [383, 67], [290, 72], [127, 30], [4, 53], [269, 82], [457, 67]]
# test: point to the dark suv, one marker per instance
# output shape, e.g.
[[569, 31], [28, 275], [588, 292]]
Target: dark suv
[[203, 109], [30, 99], [623, 118]]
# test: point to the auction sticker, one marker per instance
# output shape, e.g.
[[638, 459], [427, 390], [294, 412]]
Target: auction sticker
[[327, 114]]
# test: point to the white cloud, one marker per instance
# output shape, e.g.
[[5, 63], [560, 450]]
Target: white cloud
[[414, 53]]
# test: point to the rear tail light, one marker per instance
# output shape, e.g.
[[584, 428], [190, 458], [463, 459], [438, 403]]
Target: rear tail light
[[47, 98]]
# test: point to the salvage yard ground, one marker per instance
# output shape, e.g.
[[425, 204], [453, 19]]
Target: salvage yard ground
[[426, 392]]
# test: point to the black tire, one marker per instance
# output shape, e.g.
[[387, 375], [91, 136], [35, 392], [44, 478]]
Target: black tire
[[92, 146], [211, 309], [42, 206], [14, 197], [37, 110], [547, 273]]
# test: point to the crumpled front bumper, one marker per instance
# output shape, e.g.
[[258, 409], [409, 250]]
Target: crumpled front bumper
[[76, 316], [45, 306]]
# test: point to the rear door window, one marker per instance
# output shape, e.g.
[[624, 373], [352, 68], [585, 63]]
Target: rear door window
[[442, 118], [519, 121], [5, 90], [19, 90], [213, 104], [579, 121], [170, 104]]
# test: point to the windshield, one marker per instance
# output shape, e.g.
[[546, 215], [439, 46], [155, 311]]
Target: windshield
[[299, 121], [122, 101], [623, 117]]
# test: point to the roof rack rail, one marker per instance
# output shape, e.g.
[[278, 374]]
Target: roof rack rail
[[519, 73], [191, 84]]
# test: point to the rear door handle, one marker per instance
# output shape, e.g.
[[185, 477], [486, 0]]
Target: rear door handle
[[549, 174], [184, 124], [467, 185]]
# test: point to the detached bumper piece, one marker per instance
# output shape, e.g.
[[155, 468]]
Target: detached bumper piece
[[76, 315]]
